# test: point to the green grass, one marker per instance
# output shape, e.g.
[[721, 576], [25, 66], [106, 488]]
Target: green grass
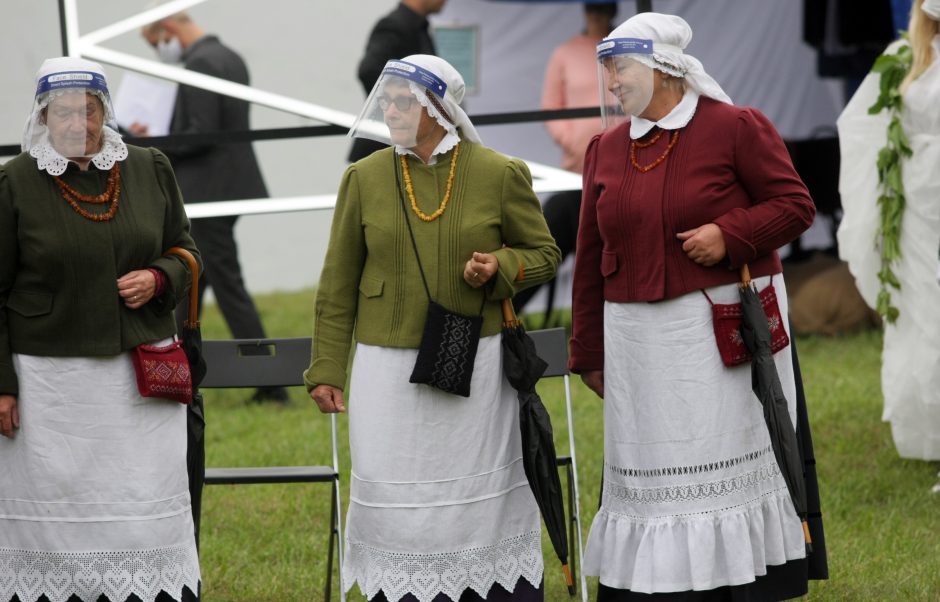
[[269, 542]]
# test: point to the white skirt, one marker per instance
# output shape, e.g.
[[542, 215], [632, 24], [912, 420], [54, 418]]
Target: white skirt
[[439, 501], [94, 495], [693, 498]]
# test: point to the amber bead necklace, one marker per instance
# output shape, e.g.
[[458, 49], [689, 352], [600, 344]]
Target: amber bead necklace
[[635, 144], [411, 194], [111, 195]]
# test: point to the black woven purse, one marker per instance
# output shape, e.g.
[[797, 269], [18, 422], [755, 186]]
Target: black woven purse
[[449, 342]]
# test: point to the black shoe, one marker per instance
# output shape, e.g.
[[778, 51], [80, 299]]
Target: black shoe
[[275, 394]]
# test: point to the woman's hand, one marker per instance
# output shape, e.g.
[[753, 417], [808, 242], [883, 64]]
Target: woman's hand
[[480, 268], [136, 288], [9, 415], [329, 399], [594, 379], [704, 245]]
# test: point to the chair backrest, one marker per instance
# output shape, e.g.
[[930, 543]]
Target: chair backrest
[[552, 346], [255, 363]]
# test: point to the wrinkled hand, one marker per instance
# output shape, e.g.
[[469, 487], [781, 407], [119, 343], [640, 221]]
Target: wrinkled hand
[[704, 245], [329, 399], [594, 379], [480, 268], [9, 415], [136, 288]]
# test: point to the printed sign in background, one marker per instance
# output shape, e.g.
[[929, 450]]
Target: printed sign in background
[[459, 45]]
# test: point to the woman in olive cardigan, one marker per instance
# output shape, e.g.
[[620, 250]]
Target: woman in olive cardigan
[[439, 500], [95, 500]]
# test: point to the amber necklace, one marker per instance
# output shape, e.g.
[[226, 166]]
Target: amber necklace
[[635, 144], [111, 195], [411, 194]]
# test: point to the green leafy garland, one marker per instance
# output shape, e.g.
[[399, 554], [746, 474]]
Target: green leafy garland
[[893, 69]]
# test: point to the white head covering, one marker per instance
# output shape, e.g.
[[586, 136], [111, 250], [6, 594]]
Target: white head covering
[[453, 96], [670, 36], [931, 8], [64, 75]]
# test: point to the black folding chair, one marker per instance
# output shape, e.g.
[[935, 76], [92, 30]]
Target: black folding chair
[[552, 346], [273, 363]]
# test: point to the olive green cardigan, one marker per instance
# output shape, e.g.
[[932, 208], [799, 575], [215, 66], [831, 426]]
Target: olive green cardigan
[[59, 271], [370, 281]]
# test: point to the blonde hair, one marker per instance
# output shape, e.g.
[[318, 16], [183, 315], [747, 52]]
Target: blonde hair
[[922, 30]]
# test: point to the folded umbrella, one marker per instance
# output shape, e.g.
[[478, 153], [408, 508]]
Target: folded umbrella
[[523, 368], [765, 382], [191, 339]]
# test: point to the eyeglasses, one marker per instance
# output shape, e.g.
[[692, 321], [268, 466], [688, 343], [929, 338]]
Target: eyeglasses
[[402, 103]]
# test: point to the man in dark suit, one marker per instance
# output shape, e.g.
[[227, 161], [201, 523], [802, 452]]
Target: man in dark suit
[[213, 172], [400, 33]]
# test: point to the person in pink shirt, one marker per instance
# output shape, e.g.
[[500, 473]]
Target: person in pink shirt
[[570, 83]]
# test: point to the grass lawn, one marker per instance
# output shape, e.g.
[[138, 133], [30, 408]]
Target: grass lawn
[[269, 542]]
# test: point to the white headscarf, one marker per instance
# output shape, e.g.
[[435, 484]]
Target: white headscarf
[[670, 35], [452, 96], [36, 135], [931, 8]]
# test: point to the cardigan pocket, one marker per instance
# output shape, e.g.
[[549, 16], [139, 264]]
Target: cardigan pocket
[[371, 287], [30, 304], [608, 263]]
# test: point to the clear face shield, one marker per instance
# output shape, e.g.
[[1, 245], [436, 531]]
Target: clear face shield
[[69, 114], [625, 80], [395, 112]]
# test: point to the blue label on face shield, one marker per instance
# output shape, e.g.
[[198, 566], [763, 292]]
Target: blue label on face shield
[[72, 79], [416, 74], [614, 46]]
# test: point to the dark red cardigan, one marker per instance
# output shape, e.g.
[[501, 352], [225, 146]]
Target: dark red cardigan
[[728, 167]]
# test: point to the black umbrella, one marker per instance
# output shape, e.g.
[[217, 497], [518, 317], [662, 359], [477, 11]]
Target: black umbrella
[[523, 367], [191, 339], [765, 382]]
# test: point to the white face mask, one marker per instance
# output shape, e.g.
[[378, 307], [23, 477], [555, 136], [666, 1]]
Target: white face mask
[[170, 51]]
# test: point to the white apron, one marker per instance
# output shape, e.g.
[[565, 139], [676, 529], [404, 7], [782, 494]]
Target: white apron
[[94, 495], [439, 501], [693, 498]]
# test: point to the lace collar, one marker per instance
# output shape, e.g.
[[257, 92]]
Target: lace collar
[[50, 161], [448, 142], [678, 117]]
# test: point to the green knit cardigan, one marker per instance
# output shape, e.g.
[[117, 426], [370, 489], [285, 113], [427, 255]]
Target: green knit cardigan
[[370, 286]]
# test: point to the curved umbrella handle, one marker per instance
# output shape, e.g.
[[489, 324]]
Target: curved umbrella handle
[[193, 319], [745, 276]]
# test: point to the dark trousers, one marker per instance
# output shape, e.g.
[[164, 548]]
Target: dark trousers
[[215, 239], [562, 213]]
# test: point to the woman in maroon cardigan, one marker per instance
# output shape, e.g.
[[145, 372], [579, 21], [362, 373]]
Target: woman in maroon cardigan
[[676, 199]]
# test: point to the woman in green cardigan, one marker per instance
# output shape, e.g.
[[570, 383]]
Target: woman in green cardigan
[[95, 500], [439, 502]]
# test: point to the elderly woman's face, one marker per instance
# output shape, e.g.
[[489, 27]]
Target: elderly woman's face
[[630, 81], [408, 122], [76, 124]]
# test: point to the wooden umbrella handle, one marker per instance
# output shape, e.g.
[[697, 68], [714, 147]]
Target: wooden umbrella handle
[[745, 276], [193, 319]]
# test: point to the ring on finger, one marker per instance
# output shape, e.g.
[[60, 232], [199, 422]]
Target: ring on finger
[[476, 275]]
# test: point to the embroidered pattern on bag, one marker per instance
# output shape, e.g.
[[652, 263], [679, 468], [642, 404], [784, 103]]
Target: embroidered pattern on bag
[[452, 355], [671, 471], [693, 491], [118, 575], [167, 376], [427, 575]]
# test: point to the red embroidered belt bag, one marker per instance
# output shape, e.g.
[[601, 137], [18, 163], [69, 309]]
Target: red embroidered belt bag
[[726, 318], [163, 372]]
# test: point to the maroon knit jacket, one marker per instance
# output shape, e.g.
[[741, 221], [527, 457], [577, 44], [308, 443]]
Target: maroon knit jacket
[[729, 167]]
